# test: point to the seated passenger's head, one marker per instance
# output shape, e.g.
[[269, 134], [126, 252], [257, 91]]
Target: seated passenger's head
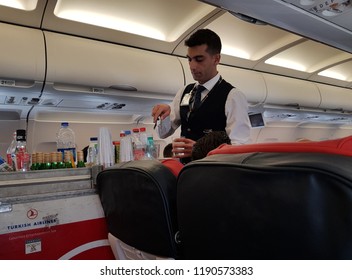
[[208, 142], [167, 151]]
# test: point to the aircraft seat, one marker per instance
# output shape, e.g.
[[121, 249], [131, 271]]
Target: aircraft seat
[[139, 202], [267, 204]]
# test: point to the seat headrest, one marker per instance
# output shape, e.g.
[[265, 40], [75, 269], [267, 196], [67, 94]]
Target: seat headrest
[[139, 201], [266, 206]]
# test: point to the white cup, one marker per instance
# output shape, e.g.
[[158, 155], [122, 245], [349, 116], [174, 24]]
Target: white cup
[[176, 143]]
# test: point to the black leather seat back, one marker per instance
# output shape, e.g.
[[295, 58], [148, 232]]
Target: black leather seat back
[[266, 206], [139, 201]]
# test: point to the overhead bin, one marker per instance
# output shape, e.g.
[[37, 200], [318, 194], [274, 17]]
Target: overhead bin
[[251, 83], [291, 92], [335, 98], [97, 68], [22, 70], [22, 56]]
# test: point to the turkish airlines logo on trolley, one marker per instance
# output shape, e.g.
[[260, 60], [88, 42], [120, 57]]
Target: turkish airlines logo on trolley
[[32, 214]]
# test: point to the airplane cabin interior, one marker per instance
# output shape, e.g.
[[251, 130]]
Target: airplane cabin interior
[[106, 63]]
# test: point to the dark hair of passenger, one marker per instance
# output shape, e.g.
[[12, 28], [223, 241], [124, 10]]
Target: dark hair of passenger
[[208, 142], [205, 36], [167, 151]]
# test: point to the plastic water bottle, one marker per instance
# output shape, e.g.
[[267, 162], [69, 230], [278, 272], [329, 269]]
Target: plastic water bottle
[[138, 147], [126, 148], [92, 153], [143, 136], [151, 152], [65, 140]]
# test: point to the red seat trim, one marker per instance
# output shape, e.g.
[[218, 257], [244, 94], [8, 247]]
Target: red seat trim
[[341, 146]]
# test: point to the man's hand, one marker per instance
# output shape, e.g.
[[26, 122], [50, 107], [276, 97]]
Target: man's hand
[[160, 111], [182, 147]]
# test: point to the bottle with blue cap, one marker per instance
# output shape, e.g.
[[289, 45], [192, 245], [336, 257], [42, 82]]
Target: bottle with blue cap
[[65, 140]]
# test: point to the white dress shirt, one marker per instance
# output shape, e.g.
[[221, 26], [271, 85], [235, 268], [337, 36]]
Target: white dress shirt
[[236, 111]]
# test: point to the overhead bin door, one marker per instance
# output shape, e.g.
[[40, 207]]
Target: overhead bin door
[[251, 83], [22, 72], [79, 61], [335, 98], [22, 56], [288, 91]]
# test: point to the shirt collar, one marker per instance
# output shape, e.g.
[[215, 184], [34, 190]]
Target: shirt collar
[[212, 82]]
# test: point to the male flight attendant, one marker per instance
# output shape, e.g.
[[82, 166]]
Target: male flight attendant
[[211, 104]]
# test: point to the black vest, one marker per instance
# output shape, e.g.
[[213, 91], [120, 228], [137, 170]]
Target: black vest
[[209, 116]]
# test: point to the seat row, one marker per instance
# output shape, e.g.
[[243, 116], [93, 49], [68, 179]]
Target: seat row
[[258, 201]]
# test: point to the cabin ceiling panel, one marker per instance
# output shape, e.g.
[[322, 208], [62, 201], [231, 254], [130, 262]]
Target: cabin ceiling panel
[[161, 20], [308, 56], [263, 39], [159, 25], [23, 12], [343, 71], [294, 19]]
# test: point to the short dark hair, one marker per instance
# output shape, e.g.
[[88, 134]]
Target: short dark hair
[[167, 151], [205, 36], [208, 142]]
